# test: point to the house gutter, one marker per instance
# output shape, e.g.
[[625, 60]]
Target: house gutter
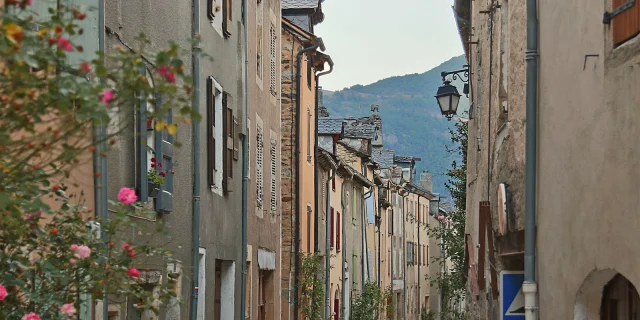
[[318, 43], [365, 249], [404, 262], [195, 205], [529, 287], [327, 280], [343, 238], [419, 262], [315, 153], [245, 158]]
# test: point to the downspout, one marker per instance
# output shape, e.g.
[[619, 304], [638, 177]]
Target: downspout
[[327, 280], [195, 205], [327, 294], [379, 235], [99, 162], [315, 156], [314, 47], [245, 159], [529, 287], [404, 261], [365, 249], [343, 239], [419, 262]]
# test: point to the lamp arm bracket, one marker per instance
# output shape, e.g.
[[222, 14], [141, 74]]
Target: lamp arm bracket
[[462, 74]]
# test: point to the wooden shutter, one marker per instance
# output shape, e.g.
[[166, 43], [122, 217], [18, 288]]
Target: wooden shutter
[[274, 172], [164, 155], [211, 123], [333, 232], [228, 143], [272, 60], [338, 237], [211, 9], [141, 145], [227, 13], [626, 25], [259, 165]]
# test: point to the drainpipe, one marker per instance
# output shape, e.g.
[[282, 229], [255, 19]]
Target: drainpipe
[[404, 262], [365, 249], [327, 280], [419, 262], [315, 153], [318, 43], [245, 158], [195, 231], [529, 286], [379, 235], [343, 238], [99, 162]]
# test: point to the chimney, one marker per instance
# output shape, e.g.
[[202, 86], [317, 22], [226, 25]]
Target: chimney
[[426, 181], [322, 110]]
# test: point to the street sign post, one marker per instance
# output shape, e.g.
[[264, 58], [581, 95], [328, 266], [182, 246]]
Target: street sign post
[[511, 295]]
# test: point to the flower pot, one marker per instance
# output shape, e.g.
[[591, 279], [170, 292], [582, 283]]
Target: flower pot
[[154, 189]]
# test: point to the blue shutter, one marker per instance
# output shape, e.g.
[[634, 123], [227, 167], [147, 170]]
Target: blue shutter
[[164, 155]]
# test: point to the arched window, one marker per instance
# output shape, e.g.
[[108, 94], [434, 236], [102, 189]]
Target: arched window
[[620, 300]]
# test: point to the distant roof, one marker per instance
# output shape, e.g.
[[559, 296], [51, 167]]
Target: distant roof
[[446, 207], [360, 130], [383, 157], [329, 126], [402, 158], [299, 4]]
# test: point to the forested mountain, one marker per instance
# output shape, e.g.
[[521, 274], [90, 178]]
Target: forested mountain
[[412, 123]]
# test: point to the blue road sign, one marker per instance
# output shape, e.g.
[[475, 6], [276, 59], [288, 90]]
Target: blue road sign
[[511, 295]]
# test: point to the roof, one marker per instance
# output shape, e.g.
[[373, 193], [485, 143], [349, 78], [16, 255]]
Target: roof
[[359, 130], [383, 157], [446, 207], [421, 191], [330, 126], [299, 4], [406, 159]]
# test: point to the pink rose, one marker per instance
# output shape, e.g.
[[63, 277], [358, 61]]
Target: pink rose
[[85, 67], [167, 74], [127, 195], [72, 260], [440, 218], [125, 245], [133, 272], [68, 309], [83, 252], [131, 253], [73, 247], [64, 44], [106, 96], [31, 316], [3, 292]]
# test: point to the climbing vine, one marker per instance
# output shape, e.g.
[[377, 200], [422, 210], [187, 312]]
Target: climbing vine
[[372, 302], [312, 287], [450, 231]]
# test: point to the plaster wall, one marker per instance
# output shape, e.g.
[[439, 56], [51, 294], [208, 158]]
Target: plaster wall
[[588, 137]]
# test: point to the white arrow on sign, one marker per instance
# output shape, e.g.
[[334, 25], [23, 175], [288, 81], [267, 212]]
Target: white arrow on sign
[[517, 305]]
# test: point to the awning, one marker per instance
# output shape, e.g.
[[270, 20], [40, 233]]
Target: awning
[[266, 260]]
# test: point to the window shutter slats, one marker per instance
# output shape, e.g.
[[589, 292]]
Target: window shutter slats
[[141, 156], [338, 237], [272, 60], [259, 165], [274, 172]]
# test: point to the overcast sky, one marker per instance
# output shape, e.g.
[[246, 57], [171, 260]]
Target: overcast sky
[[371, 40]]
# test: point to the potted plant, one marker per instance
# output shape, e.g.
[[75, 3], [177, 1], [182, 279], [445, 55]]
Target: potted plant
[[155, 178]]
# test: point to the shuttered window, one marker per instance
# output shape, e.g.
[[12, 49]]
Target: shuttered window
[[227, 13], [259, 165], [164, 153], [229, 143], [308, 134], [259, 37], [272, 60], [339, 232], [626, 25], [211, 131], [274, 172], [333, 232]]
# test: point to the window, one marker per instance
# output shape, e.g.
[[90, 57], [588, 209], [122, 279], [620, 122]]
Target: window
[[202, 281], [309, 71], [353, 207], [272, 60], [274, 177], [215, 13], [309, 217], [262, 303], [224, 290], [227, 21], [390, 226], [331, 227], [259, 164], [626, 25], [259, 37], [214, 133], [308, 133], [338, 232], [427, 254]]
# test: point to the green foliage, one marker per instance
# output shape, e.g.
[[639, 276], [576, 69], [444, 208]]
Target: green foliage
[[51, 263], [312, 287], [412, 123], [428, 315], [372, 303], [450, 233]]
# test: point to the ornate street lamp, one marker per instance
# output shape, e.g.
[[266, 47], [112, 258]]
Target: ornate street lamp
[[448, 97]]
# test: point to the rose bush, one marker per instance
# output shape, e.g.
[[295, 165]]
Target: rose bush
[[52, 265]]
